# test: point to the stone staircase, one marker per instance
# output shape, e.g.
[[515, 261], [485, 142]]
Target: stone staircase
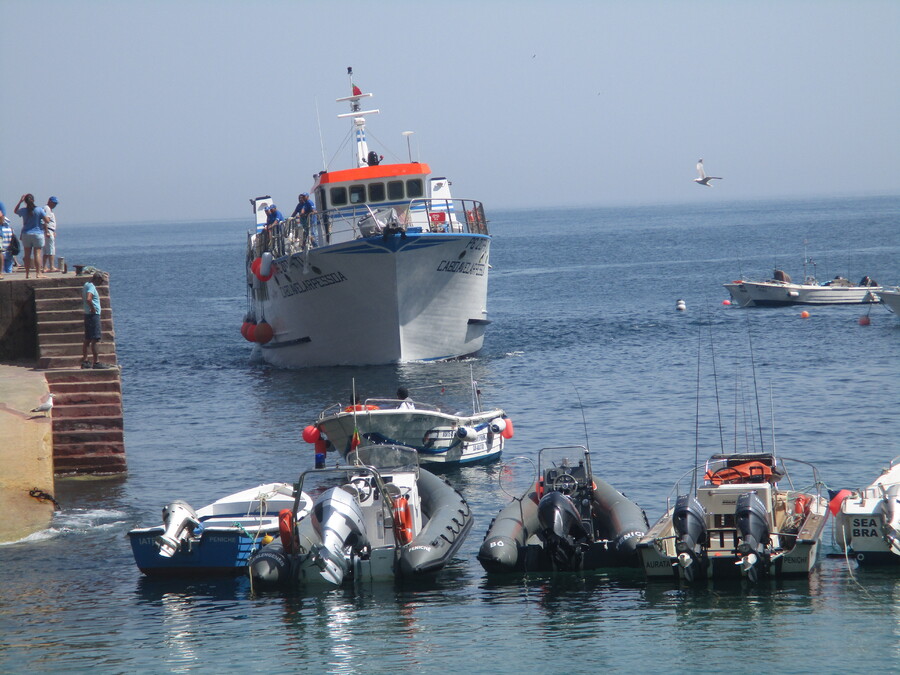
[[88, 433]]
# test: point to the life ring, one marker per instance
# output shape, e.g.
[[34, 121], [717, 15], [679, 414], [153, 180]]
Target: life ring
[[286, 529], [403, 525], [359, 406]]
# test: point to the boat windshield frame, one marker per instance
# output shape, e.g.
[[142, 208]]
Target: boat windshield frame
[[566, 460]]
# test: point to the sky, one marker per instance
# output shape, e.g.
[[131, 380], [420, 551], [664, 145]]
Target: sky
[[149, 111]]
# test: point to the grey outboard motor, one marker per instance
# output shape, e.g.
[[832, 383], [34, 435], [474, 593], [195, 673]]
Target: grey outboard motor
[[689, 521], [179, 519], [338, 520], [752, 523], [890, 511], [562, 531]]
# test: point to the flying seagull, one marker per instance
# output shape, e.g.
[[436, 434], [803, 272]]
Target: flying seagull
[[703, 179], [46, 406]]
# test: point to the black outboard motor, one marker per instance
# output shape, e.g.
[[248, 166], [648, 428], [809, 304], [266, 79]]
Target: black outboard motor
[[752, 523], [562, 531], [689, 521]]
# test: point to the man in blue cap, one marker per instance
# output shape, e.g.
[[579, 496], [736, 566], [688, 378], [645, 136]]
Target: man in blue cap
[[50, 235], [306, 210]]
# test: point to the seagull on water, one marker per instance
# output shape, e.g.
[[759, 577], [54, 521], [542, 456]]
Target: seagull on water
[[703, 179], [46, 406]]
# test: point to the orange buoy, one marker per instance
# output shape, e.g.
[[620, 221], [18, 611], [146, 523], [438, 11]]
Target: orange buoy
[[508, 432], [804, 314], [311, 433], [726, 302], [286, 529], [264, 332], [864, 320], [256, 268], [251, 331]]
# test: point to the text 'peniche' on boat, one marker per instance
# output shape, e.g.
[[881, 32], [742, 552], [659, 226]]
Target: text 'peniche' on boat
[[390, 268]]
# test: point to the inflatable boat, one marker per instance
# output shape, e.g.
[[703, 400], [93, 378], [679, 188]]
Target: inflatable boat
[[569, 520], [380, 516]]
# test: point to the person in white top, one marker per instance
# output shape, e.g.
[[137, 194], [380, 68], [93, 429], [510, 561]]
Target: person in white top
[[50, 235], [405, 402]]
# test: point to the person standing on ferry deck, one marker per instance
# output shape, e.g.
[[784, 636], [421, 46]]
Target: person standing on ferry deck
[[32, 233], [306, 210], [50, 234]]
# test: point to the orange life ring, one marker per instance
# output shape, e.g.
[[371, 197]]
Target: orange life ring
[[403, 525], [360, 406], [286, 529], [740, 473]]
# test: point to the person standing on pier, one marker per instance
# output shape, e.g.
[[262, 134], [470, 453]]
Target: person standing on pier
[[50, 235], [32, 234], [92, 330], [6, 237]]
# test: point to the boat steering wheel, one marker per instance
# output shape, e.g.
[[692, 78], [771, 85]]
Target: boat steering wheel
[[362, 486], [564, 483]]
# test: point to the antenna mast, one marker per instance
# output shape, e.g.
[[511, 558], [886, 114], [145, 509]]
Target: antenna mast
[[359, 122]]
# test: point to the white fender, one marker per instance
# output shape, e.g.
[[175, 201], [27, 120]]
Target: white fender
[[467, 434], [266, 265], [498, 424]]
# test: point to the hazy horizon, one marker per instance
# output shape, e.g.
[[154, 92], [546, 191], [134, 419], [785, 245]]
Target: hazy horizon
[[163, 111]]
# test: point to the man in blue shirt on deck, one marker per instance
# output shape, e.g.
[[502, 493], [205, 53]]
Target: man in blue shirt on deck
[[306, 210]]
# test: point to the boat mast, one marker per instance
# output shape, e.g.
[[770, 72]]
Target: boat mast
[[359, 122]]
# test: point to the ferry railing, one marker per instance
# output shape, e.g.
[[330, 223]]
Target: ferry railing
[[339, 225]]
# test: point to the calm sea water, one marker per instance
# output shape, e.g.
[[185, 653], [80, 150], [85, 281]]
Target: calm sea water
[[585, 344]]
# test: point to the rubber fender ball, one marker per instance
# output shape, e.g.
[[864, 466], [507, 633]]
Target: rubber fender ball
[[508, 432], [264, 332], [311, 434], [251, 332], [498, 425], [467, 433], [265, 267]]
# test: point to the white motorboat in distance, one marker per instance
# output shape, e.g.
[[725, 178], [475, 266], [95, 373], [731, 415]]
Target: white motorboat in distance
[[890, 298], [867, 521], [780, 290], [442, 438], [391, 269]]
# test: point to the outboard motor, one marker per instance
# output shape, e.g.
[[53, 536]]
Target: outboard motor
[[689, 522], [562, 531], [338, 520], [890, 512], [752, 522], [179, 519]]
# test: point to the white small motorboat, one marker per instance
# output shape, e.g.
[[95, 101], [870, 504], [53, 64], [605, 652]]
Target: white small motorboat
[[780, 290], [378, 517], [867, 521], [441, 438], [568, 520], [215, 539], [738, 524], [890, 298]]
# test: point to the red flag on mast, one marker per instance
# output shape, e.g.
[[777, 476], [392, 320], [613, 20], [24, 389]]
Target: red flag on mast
[[357, 91]]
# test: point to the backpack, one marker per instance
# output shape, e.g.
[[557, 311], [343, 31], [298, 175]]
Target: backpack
[[13, 247]]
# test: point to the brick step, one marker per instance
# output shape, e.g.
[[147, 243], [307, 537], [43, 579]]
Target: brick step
[[75, 348], [113, 387], [90, 464], [46, 326], [88, 448], [69, 362], [79, 424], [64, 290], [49, 304], [81, 436], [77, 375], [85, 410], [67, 314], [85, 397]]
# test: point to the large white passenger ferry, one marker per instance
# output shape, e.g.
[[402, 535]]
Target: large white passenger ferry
[[391, 268]]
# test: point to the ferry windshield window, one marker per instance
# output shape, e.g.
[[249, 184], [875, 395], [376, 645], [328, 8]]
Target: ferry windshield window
[[376, 192], [357, 194], [338, 196], [395, 189], [415, 188]]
